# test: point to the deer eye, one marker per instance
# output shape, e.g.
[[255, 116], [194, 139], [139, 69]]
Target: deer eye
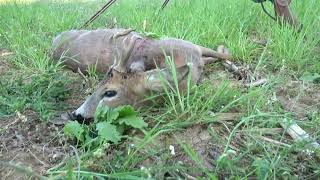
[[110, 93]]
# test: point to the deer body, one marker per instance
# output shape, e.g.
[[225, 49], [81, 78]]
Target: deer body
[[133, 63]]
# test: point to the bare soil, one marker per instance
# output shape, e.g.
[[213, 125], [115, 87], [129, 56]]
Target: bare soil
[[299, 98], [28, 142]]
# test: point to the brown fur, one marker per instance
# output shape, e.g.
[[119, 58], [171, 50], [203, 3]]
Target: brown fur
[[131, 62]]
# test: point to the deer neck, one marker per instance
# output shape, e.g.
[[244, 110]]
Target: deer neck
[[148, 51]]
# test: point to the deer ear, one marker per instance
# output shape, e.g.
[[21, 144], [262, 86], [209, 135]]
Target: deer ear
[[156, 79]]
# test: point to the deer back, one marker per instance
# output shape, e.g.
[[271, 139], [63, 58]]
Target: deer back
[[84, 48]]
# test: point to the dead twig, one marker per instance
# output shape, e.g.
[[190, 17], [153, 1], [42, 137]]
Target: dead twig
[[224, 124], [188, 176], [268, 131], [5, 53], [226, 116], [20, 117], [262, 42], [43, 163], [231, 67], [241, 72], [256, 83], [274, 141], [82, 75], [16, 120]]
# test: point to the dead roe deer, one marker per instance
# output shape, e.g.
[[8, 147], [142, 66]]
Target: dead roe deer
[[134, 65]]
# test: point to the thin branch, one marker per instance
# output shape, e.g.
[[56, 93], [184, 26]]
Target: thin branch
[[274, 141], [82, 75], [226, 116], [256, 83], [43, 163]]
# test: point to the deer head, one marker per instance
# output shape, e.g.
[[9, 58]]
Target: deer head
[[121, 86]]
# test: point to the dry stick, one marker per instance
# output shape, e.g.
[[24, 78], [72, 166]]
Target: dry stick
[[188, 176], [83, 76], [256, 83], [274, 141], [12, 123], [231, 67], [265, 131], [6, 53], [43, 163], [221, 122]]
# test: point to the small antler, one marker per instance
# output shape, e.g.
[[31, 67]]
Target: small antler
[[124, 52]]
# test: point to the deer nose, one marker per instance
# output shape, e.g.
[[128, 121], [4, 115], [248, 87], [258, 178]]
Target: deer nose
[[75, 116], [79, 118]]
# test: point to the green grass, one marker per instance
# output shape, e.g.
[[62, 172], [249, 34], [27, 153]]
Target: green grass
[[35, 82]]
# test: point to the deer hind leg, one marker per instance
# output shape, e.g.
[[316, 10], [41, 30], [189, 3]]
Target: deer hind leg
[[207, 60], [210, 55]]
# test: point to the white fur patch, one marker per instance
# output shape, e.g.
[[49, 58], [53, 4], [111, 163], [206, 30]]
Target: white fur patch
[[109, 98], [82, 109]]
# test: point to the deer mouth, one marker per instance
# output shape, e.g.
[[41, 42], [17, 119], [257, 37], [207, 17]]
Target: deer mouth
[[70, 116], [78, 117]]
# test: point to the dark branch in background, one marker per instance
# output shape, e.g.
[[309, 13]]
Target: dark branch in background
[[261, 2], [280, 12], [265, 11], [97, 14], [164, 4]]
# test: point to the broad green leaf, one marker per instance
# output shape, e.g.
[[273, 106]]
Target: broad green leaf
[[104, 113], [100, 113], [129, 116], [75, 129], [108, 132], [112, 115], [133, 121], [125, 111], [262, 168]]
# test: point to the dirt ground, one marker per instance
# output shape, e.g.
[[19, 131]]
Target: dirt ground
[[27, 141], [301, 99], [31, 143]]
